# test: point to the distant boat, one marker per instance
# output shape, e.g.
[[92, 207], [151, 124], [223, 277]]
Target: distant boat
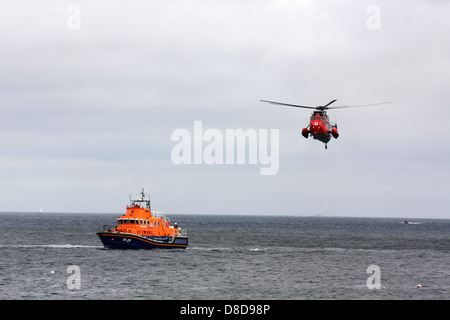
[[40, 210], [405, 222]]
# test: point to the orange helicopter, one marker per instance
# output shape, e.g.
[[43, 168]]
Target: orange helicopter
[[320, 128]]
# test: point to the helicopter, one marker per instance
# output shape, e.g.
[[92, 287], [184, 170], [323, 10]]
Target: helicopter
[[320, 128]]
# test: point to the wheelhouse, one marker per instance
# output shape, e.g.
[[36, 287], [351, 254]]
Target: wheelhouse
[[139, 219]]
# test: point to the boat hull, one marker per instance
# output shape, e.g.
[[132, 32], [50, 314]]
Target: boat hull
[[112, 240]]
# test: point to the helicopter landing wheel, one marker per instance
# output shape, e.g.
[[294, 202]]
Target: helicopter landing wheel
[[326, 147]]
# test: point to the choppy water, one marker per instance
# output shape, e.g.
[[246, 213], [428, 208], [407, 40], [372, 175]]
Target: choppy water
[[229, 257]]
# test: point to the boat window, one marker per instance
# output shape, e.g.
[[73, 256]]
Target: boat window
[[142, 221], [131, 220]]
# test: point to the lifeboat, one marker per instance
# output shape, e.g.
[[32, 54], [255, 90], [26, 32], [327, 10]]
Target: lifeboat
[[142, 228]]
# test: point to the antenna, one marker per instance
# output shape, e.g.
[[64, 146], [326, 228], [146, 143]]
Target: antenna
[[149, 191], [129, 188], [149, 197]]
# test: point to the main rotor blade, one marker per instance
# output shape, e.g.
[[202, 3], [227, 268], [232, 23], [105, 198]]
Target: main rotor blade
[[357, 106], [287, 104], [325, 106]]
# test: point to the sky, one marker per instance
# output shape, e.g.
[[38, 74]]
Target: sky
[[93, 94]]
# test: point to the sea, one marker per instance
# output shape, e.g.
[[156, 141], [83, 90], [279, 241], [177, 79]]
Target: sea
[[57, 256]]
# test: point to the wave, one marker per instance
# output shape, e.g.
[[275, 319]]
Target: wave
[[224, 249]]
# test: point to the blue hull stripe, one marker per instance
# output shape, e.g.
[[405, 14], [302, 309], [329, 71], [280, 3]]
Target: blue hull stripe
[[128, 241]]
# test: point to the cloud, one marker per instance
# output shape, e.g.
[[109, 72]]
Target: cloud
[[86, 110]]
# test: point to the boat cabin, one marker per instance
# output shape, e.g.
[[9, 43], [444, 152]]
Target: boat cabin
[[140, 220]]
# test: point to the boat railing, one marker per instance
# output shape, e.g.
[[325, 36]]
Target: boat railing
[[162, 215], [159, 214], [182, 232], [107, 228]]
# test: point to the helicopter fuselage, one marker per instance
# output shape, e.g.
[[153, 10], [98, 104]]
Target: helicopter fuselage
[[320, 128]]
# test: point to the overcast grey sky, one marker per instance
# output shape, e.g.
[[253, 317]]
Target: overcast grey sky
[[91, 92]]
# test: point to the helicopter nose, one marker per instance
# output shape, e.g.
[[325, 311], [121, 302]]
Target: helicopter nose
[[315, 127]]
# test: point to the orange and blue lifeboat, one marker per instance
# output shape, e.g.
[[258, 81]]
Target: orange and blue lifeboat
[[140, 228]]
